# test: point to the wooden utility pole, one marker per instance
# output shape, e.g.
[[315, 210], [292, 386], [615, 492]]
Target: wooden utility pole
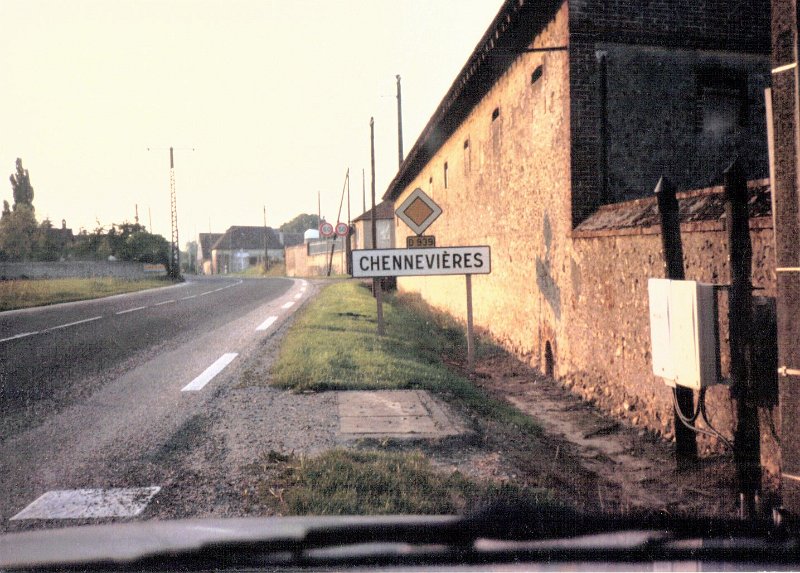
[[376, 282], [685, 439], [399, 123], [266, 242], [747, 437]]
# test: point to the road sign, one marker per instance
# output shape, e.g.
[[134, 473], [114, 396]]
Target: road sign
[[418, 262], [342, 229], [418, 211], [420, 242], [326, 229]]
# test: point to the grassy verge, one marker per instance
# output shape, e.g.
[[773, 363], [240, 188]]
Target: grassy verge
[[26, 293], [334, 346], [341, 482]]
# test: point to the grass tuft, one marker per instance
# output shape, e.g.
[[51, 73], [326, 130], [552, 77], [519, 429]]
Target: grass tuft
[[342, 482]]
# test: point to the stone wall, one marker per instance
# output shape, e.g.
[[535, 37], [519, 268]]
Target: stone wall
[[508, 181], [521, 172], [80, 269], [300, 264]]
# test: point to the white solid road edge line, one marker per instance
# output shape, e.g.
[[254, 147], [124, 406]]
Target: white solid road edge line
[[209, 373], [264, 325], [289, 304]]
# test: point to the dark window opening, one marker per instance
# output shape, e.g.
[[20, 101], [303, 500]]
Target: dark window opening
[[495, 113], [721, 101], [445, 174], [253, 261], [466, 143], [549, 360], [537, 73]]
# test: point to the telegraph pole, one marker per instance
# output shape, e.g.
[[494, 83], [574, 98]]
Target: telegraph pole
[[174, 270], [266, 243], [399, 123], [175, 249]]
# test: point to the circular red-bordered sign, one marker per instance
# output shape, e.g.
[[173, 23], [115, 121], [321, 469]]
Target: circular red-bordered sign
[[341, 229], [326, 229]]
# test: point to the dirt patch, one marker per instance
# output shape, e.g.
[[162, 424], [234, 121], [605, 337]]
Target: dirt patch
[[624, 468]]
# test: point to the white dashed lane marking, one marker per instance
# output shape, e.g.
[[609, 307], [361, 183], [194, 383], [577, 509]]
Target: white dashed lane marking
[[289, 304], [131, 310], [22, 335], [164, 302], [267, 323], [77, 322], [89, 503], [209, 373], [188, 297]]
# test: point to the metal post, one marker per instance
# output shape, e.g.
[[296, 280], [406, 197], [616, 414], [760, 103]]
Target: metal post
[[685, 440], [266, 242], [746, 450], [470, 334], [175, 251]]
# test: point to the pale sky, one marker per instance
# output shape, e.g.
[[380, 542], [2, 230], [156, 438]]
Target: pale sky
[[275, 98]]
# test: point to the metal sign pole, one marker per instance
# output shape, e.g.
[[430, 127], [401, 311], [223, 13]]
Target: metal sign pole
[[470, 345]]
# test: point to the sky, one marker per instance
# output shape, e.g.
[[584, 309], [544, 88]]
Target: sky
[[266, 103]]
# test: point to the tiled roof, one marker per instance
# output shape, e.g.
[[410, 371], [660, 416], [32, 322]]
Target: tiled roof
[[695, 206], [383, 210], [247, 238], [207, 241]]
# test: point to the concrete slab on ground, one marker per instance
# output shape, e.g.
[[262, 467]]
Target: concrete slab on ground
[[410, 414]]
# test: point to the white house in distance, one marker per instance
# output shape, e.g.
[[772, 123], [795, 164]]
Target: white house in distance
[[242, 247], [362, 225]]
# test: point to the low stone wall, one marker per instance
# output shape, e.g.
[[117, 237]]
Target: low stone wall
[[80, 269], [300, 264]]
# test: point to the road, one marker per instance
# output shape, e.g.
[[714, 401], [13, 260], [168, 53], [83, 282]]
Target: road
[[92, 392]]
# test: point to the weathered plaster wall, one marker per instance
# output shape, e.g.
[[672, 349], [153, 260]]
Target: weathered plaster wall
[[300, 264], [507, 187]]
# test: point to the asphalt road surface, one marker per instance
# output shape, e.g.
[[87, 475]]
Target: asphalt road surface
[[83, 384]]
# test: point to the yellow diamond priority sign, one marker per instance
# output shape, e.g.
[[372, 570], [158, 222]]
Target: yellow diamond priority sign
[[418, 211]]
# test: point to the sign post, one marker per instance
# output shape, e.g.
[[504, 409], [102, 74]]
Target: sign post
[[432, 261]]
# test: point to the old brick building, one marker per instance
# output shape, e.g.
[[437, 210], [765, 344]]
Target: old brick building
[[548, 146]]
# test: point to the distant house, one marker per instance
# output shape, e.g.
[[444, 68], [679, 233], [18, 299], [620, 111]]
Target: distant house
[[384, 227], [205, 243], [61, 239], [240, 248]]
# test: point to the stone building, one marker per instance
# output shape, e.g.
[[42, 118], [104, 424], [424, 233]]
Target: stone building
[[384, 227], [547, 148], [240, 248]]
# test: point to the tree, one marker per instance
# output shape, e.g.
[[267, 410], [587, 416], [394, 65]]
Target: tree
[[21, 184], [301, 224], [18, 233], [18, 227]]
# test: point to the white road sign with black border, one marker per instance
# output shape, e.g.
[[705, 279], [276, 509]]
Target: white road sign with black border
[[422, 262]]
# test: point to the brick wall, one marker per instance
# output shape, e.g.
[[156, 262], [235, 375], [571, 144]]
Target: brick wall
[[704, 28]]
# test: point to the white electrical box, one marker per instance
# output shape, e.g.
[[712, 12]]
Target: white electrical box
[[683, 332]]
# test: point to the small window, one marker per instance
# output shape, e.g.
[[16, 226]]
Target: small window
[[537, 74], [445, 174], [495, 113], [722, 105], [466, 143]]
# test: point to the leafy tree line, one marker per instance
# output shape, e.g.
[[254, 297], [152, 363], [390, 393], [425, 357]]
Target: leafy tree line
[[23, 239]]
